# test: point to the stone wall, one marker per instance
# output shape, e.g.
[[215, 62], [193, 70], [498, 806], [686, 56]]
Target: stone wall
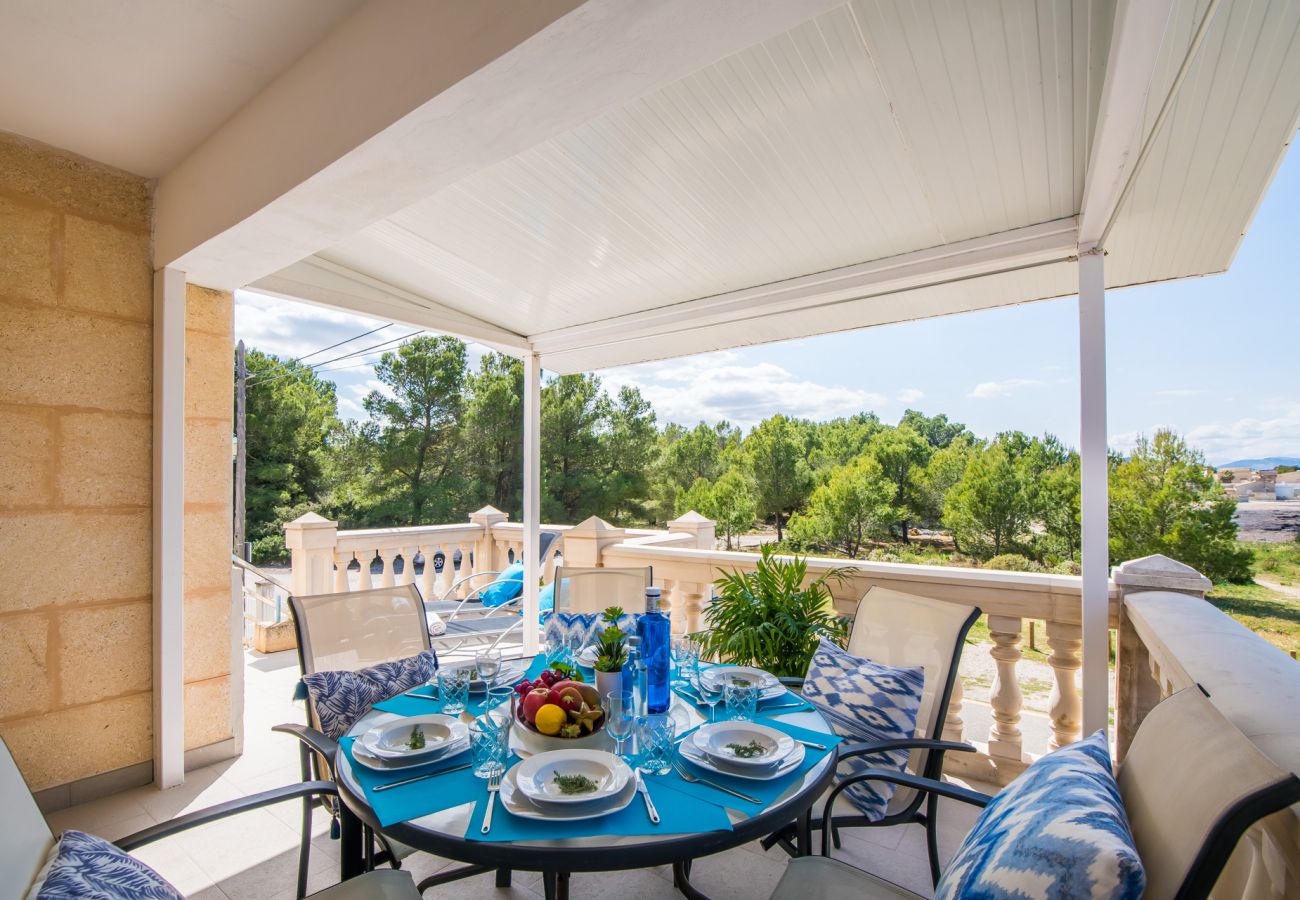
[[76, 364]]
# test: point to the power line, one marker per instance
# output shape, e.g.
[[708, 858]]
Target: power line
[[348, 341], [315, 368], [365, 350]]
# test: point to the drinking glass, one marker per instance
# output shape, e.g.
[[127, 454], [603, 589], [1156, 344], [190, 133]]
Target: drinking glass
[[453, 688], [710, 692], [618, 719], [686, 656], [489, 744], [741, 698], [497, 702], [488, 664], [654, 738]]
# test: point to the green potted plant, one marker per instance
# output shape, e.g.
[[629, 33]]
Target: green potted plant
[[770, 618], [611, 653]]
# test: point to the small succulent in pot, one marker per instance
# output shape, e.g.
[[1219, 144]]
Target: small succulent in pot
[[611, 645]]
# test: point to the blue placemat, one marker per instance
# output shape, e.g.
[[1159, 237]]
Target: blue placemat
[[428, 702], [789, 702], [766, 791], [679, 813], [411, 801]]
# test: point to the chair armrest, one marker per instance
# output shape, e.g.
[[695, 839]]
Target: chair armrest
[[791, 682], [465, 580], [225, 810], [865, 748], [917, 782], [322, 744]]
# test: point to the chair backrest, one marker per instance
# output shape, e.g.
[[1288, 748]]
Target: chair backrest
[[899, 629], [27, 838], [1192, 783], [581, 590], [355, 629]]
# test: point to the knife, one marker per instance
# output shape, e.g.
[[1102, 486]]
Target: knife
[[645, 795], [393, 784]]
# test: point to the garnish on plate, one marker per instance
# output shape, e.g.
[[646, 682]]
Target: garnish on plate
[[741, 682], [416, 740], [747, 751], [574, 784]]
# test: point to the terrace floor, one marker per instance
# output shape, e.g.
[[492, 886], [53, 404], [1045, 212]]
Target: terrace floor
[[253, 856]]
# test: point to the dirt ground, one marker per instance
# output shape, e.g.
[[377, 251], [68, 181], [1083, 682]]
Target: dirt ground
[[1273, 521]]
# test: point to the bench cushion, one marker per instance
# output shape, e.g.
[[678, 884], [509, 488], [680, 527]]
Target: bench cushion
[[85, 866]]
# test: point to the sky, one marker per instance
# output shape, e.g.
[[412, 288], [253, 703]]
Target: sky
[[1216, 358]]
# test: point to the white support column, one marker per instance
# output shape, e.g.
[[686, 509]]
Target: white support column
[[168, 527], [1094, 498], [532, 496]]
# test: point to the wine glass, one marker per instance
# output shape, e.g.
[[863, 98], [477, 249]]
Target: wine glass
[[709, 692], [619, 719], [686, 656], [488, 664]]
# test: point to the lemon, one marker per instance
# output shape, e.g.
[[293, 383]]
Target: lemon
[[550, 718]]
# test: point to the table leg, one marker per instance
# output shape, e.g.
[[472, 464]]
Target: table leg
[[503, 877], [682, 881], [351, 853], [804, 832]]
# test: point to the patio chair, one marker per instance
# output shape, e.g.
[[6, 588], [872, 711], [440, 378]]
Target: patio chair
[[472, 603], [28, 839], [585, 591], [898, 629], [346, 632], [1183, 837]]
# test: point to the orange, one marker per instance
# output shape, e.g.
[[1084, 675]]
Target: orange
[[550, 718]]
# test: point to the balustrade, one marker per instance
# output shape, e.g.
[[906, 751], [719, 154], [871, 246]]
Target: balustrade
[[1065, 706], [1005, 697]]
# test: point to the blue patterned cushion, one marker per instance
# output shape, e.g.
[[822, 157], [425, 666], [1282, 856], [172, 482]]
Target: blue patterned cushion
[[865, 701], [584, 626], [1057, 832], [85, 866], [340, 698], [505, 587]]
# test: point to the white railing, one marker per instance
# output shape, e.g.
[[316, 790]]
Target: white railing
[[264, 598]]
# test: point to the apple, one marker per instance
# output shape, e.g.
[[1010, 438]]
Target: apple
[[535, 700]]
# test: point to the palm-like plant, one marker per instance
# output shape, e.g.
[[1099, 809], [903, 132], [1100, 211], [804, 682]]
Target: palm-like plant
[[770, 619]]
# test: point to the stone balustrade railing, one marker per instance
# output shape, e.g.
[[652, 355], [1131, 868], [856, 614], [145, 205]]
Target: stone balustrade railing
[[1171, 639]]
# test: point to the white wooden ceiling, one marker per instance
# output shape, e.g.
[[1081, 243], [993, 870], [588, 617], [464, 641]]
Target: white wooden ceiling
[[872, 131]]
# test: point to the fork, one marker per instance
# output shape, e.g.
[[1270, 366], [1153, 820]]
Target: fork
[[493, 787], [692, 778]]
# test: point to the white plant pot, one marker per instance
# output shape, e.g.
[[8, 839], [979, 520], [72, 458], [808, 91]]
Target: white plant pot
[[608, 682]]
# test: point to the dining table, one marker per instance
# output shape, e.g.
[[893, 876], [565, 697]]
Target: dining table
[[443, 814]]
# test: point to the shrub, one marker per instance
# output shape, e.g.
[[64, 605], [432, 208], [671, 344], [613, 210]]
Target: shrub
[[1011, 562]]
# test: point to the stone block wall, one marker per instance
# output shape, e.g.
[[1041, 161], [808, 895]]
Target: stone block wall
[[76, 438]]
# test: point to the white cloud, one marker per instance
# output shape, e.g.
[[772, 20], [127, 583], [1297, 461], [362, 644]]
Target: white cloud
[[293, 329], [717, 386], [989, 389], [1246, 437], [910, 395]]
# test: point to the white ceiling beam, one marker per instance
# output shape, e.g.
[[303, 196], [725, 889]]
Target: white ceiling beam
[[406, 97], [325, 283], [1010, 250], [1138, 33]]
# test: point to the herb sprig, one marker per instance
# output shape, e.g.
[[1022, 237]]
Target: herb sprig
[[747, 751], [574, 784]]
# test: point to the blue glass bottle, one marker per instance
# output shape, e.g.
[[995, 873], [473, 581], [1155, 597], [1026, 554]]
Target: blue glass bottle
[[656, 653], [634, 677]]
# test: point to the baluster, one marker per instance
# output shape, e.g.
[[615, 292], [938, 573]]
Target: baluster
[[427, 586], [668, 600], [1005, 697], [954, 726], [1065, 705], [463, 571], [365, 582], [691, 595], [408, 565], [386, 572], [341, 561], [502, 555], [447, 577], [548, 565]]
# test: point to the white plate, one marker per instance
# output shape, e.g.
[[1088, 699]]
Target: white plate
[[587, 658], [536, 775], [506, 677], [364, 757], [694, 754], [724, 674], [388, 741], [716, 739], [515, 803]]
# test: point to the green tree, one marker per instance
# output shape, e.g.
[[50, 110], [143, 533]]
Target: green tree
[[944, 469], [686, 455], [629, 449], [1058, 507], [902, 455], [938, 431], [494, 432], [851, 507], [729, 502], [841, 441], [1163, 499], [418, 416], [782, 478], [575, 413], [290, 416], [990, 509]]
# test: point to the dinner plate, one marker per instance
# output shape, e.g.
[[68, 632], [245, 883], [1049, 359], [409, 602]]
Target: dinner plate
[[506, 677], [537, 774], [720, 741], [388, 741], [694, 754], [721, 675], [363, 757], [515, 803], [587, 657]]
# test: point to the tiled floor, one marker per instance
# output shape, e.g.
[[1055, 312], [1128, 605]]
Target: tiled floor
[[253, 856]]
